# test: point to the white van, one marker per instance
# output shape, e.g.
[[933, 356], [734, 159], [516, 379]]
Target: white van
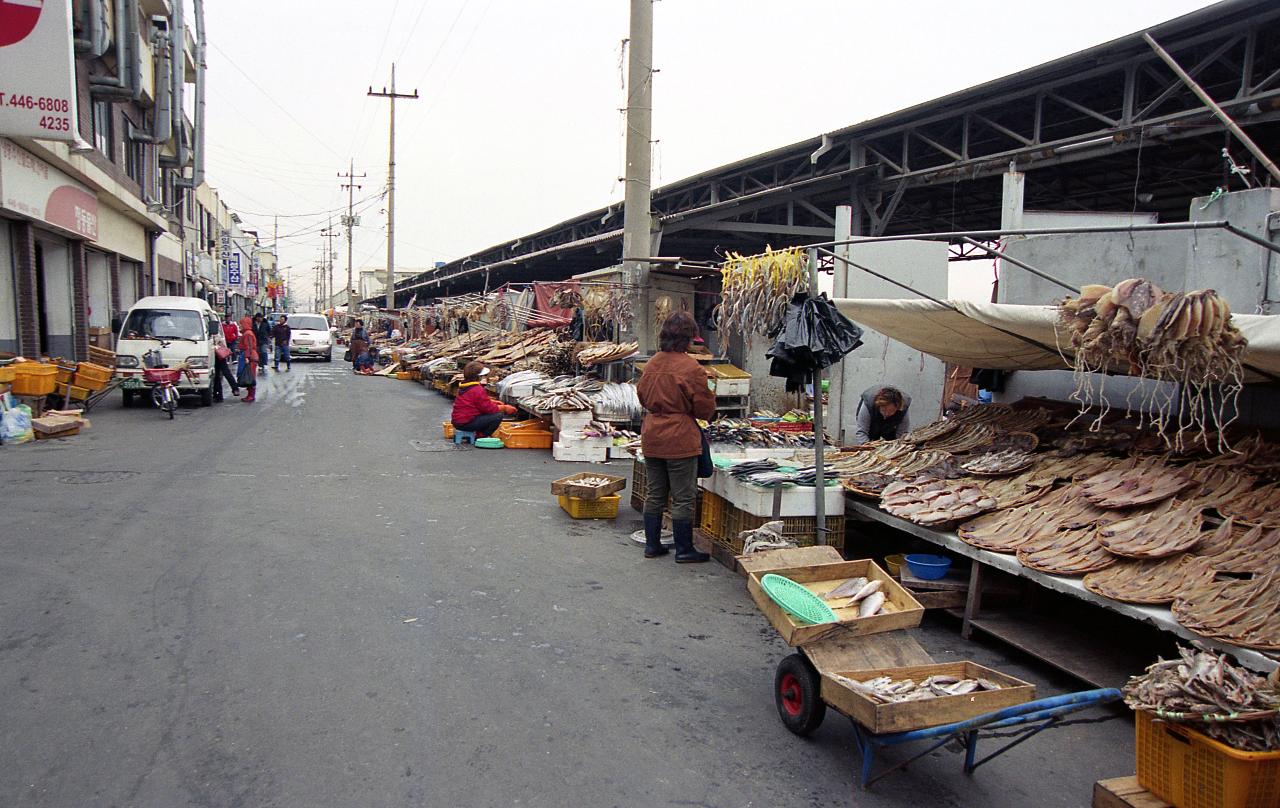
[[310, 337], [182, 329]]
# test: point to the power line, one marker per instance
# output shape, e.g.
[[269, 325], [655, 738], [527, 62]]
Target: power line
[[338, 209], [436, 98], [279, 106]]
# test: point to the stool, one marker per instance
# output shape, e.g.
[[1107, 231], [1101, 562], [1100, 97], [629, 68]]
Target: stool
[[461, 435]]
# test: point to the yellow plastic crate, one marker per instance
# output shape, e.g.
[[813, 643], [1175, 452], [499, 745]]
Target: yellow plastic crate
[[7, 374], [711, 520], [34, 379], [1191, 770], [602, 508]]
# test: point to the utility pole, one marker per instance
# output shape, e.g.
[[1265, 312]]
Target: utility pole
[[636, 220], [328, 234], [350, 221], [391, 187]]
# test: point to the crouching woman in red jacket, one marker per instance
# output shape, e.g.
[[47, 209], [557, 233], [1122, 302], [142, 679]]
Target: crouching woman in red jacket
[[473, 410]]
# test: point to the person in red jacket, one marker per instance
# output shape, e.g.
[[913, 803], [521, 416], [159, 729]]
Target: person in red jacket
[[473, 410]]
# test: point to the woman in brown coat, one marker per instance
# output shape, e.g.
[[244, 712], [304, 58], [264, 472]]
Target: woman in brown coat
[[674, 392]]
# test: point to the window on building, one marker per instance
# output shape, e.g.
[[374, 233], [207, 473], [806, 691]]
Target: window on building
[[135, 162], [103, 132]]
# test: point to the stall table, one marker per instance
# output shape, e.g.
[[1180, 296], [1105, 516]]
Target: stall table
[[1158, 616]]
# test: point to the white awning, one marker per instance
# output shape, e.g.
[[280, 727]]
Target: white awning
[[1003, 336]]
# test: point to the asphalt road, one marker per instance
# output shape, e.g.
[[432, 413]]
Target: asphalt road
[[313, 600]]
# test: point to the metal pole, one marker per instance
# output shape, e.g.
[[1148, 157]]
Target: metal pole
[[1038, 273], [636, 219], [1221, 114], [391, 187], [819, 444]]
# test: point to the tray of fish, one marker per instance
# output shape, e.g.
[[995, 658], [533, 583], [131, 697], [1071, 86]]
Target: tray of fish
[[1019, 441], [935, 502], [601, 352], [983, 413], [1068, 552], [1023, 420], [868, 485], [1238, 551], [1149, 482], [932, 431], [919, 462], [1167, 529], [1260, 506], [869, 600], [998, 464], [1216, 484], [966, 438], [1244, 612], [1205, 691], [588, 485], [900, 699], [1020, 489], [1157, 581]]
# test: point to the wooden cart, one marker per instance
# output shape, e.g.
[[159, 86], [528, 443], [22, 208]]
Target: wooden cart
[[804, 686]]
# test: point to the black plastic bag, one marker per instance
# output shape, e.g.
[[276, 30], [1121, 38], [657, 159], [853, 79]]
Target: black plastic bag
[[814, 335]]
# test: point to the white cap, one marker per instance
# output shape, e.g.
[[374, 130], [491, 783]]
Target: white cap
[[484, 372]]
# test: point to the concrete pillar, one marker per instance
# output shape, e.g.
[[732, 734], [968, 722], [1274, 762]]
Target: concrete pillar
[[1015, 183], [79, 302], [24, 250], [113, 268], [835, 399]]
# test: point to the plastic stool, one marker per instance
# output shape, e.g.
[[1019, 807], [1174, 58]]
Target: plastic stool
[[461, 435]]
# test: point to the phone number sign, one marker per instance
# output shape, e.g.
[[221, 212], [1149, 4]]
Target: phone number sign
[[37, 92]]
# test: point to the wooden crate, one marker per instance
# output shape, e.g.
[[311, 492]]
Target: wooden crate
[[569, 486], [822, 578], [909, 715], [1124, 792]]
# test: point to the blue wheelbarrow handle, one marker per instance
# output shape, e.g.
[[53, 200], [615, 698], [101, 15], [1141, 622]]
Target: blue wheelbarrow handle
[[1037, 710]]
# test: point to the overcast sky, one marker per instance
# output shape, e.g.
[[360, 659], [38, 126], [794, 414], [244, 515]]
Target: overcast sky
[[518, 127]]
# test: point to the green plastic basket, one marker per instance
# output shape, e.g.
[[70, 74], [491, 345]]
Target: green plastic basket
[[490, 443], [797, 599]]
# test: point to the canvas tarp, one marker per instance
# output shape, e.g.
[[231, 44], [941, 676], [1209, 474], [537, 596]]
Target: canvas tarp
[[1003, 336]]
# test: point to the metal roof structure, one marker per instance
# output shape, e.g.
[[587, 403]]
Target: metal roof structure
[[1110, 128]]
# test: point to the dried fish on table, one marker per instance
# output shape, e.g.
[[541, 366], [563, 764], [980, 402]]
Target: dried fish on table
[[1216, 484], [1156, 581], [886, 690], [1244, 612], [1022, 420], [1165, 530], [868, 484], [1205, 691], [1015, 441], [1067, 552], [1010, 461], [1261, 506], [1235, 550], [932, 431], [1020, 489], [1006, 531], [983, 413], [935, 502], [601, 352], [964, 439], [1150, 481]]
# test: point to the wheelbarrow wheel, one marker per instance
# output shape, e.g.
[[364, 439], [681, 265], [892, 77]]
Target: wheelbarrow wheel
[[796, 692]]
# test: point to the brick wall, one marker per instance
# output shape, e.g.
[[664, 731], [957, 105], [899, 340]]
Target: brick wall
[[79, 301], [24, 250], [113, 269]]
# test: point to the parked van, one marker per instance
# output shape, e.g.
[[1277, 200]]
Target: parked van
[[182, 329]]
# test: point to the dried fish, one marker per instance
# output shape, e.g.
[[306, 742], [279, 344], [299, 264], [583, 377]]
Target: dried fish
[[935, 502], [1150, 481], [871, 605], [1157, 581], [847, 589], [1244, 612], [1213, 696], [886, 690], [1009, 461], [1067, 552], [1165, 530]]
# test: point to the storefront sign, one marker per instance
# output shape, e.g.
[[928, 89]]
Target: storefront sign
[[233, 269], [38, 98], [31, 187]]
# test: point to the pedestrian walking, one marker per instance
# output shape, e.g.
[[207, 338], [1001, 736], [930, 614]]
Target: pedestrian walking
[[674, 392], [282, 334], [221, 367], [262, 331], [230, 332], [249, 350], [359, 341]]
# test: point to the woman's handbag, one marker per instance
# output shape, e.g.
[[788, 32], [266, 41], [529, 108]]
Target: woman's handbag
[[346, 357], [221, 352], [705, 466]]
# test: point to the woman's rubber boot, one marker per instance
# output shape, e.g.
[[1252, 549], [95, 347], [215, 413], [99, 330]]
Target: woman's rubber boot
[[249, 398], [653, 536], [685, 554]]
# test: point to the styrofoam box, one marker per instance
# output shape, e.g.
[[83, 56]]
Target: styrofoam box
[[758, 500], [588, 451], [731, 387], [571, 419]]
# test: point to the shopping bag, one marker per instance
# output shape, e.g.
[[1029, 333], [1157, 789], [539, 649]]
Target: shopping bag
[[705, 466], [245, 377]]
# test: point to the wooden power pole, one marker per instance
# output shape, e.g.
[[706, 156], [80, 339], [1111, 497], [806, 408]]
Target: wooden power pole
[[391, 186]]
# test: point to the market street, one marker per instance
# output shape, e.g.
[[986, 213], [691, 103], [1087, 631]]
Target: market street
[[314, 600]]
